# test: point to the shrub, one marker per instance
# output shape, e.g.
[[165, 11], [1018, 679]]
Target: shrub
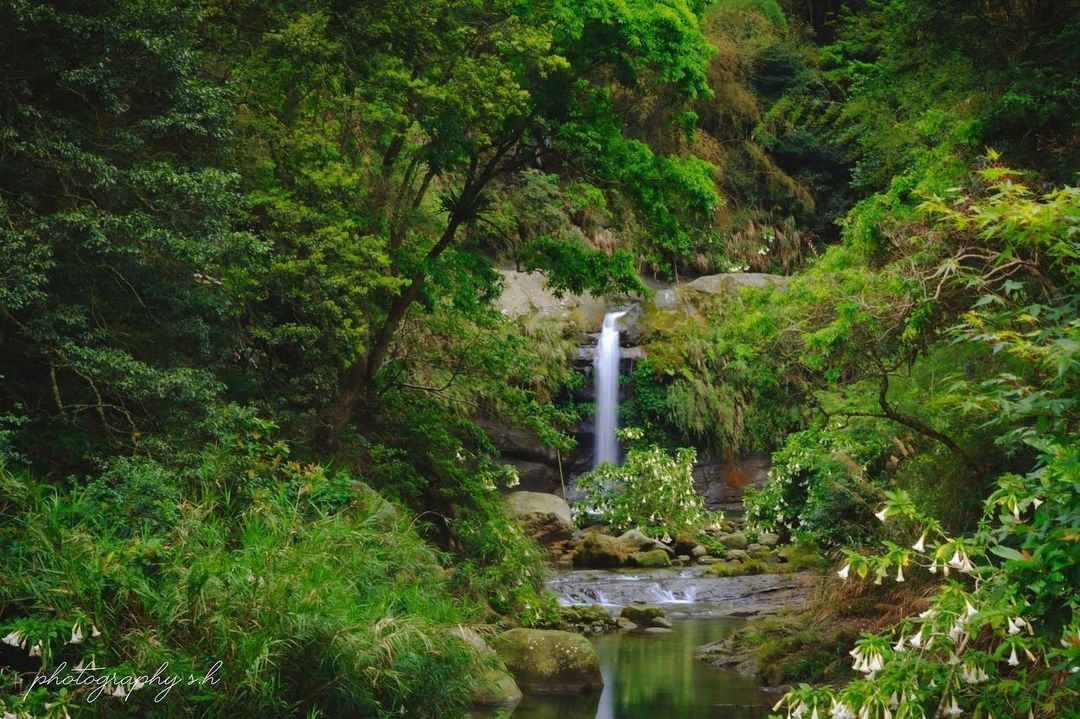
[[652, 490]]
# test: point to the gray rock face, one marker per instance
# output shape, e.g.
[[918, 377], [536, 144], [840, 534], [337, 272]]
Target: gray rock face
[[535, 476], [517, 442], [545, 661], [545, 517], [527, 293]]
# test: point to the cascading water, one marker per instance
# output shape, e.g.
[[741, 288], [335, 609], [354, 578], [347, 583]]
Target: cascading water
[[607, 390]]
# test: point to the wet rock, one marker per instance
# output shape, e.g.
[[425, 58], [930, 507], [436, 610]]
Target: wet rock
[[544, 517], [699, 551], [734, 540], [625, 623], [545, 661], [736, 554], [655, 630], [684, 558], [707, 560], [654, 558], [661, 622]]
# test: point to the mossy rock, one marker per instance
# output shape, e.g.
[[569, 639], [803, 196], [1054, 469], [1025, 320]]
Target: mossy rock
[[737, 569], [655, 558], [495, 688], [642, 614], [802, 557], [601, 551], [545, 661]]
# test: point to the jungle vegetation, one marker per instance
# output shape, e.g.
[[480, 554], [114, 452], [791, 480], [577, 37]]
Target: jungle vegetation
[[248, 258]]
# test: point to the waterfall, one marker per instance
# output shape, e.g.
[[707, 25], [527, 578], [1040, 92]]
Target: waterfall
[[607, 390]]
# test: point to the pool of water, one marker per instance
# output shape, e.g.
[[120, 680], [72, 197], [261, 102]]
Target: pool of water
[[655, 676]]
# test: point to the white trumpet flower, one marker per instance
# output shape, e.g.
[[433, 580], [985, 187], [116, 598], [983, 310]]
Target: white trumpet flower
[[843, 573], [76, 635], [920, 546], [13, 638], [1014, 661], [883, 514]]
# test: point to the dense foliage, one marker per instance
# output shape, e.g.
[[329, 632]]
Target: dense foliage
[[249, 258]]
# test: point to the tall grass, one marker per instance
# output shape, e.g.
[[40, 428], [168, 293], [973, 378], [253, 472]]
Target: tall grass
[[314, 608]]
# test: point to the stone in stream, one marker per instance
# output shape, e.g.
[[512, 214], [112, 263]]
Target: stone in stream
[[545, 661], [654, 558], [707, 560], [661, 622], [642, 614], [545, 517]]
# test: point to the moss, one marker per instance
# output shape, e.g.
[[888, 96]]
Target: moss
[[738, 569]]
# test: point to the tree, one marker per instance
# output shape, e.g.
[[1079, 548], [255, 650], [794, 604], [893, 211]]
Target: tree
[[379, 132], [115, 220]]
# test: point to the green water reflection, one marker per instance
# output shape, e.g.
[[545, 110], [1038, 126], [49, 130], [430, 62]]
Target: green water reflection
[[656, 677]]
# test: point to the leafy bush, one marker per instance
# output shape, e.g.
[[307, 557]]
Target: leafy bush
[[652, 490], [818, 488]]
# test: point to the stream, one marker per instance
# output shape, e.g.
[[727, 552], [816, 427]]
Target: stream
[[655, 676]]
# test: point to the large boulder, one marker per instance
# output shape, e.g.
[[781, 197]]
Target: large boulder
[[545, 661], [544, 517], [601, 551]]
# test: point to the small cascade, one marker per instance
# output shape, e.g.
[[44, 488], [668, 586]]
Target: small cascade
[[583, 596], [662, 595], [607, 390]]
